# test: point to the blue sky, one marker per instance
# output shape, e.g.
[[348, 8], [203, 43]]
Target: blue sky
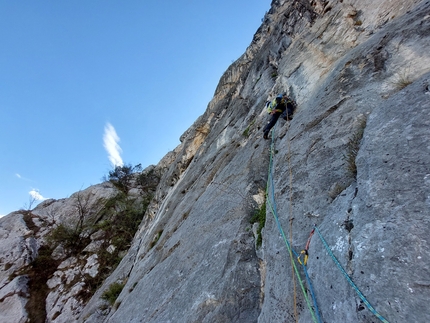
[[88, 84]]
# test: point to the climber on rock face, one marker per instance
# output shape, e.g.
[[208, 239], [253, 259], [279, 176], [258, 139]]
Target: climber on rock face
[[280, 106]]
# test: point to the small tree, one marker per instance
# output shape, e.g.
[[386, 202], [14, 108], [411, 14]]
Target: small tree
[[32, 200], [148, 180], [69, 235], [82, 206], [121, 176]]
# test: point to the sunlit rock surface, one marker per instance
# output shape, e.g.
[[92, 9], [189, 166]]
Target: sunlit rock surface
[[360, 74]]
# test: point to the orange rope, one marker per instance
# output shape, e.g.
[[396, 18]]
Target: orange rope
[[291, 222]]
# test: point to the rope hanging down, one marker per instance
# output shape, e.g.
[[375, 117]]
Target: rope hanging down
[[272, 205], [360, 294], [291, 218]]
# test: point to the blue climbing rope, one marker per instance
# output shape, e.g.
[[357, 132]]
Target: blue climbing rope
[[360, 294], [272, 205]]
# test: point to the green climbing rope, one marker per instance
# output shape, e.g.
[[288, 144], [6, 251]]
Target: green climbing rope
[[270, 198], [272, 205]]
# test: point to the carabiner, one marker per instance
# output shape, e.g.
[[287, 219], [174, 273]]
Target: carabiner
[[305, 258]]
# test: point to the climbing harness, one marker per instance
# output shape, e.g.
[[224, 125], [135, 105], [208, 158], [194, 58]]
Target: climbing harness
[[360, 294], [272, 206]]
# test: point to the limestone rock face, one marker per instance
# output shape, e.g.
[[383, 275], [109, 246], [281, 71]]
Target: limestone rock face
[[353, 163], [17, 249], [55, 256]]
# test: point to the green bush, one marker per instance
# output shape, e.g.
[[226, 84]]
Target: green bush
[[121, 176], [149, 180], [111, 294], [246, 131], [116, 221], [121, 217], [260, 218], [67, 236]]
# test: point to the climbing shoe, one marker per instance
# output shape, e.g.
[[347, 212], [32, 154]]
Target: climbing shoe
[[266, 135]]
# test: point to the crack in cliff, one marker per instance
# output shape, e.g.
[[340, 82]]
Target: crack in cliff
[[328, 112], [349, 226], [38, 271]]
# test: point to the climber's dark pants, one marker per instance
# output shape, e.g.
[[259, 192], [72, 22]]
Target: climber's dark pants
[[272, 122], [288, 113]]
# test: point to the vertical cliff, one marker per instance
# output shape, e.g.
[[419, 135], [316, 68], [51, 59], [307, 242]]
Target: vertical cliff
[[354, 161]]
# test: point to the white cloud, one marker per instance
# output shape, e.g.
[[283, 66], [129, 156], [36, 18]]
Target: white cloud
[[36, 195], [22, 177], [110, 142]]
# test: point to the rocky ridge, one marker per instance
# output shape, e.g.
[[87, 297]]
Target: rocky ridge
[[354, 161]]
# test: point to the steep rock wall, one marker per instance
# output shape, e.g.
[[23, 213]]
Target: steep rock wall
[[354, 161], [351, 66]]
